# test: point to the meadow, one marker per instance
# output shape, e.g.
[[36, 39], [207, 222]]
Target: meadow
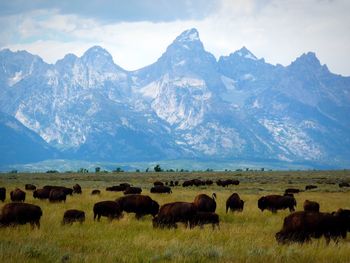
[[242, 237]]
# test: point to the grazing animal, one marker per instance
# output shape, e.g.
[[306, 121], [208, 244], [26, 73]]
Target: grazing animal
[[277, 202], [57, 195], [204, 203], [344, 184], [345, 214], [109, 209], [73, 215], [132, 190], [18, 195], [157, 183], [309, 187], [41, 193], [139, 204], [311, 206], [208, 182], [2, 194], [66, 190], [172, 213], [176, 183], [116, 188], [20, 214], [77, 189], [30, 187], [234, 203], [161, 189], [227, 182], [187, 183], [291, 191], [95, 192], [301, 226], [202, 218]]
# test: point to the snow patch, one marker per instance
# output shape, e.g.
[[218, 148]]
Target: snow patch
[[16, 78]]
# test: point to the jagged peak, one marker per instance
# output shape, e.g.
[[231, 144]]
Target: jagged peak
[[189, 35], [96, 51], [244, 52], [308, 58]]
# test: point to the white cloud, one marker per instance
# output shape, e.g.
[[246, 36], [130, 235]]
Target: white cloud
[[277, 30]]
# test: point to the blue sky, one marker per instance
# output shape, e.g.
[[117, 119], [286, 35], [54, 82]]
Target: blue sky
[[136, 32]]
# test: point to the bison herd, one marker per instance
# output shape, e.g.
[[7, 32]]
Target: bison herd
[[298, 226]]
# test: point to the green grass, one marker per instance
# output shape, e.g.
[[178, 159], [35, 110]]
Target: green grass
[[242, 237]]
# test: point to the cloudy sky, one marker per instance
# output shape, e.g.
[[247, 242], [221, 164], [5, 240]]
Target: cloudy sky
[[137, 32]]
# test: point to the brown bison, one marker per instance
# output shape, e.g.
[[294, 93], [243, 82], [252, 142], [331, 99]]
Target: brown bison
[[202, 218], [227, 182], [41, 193], [344, 184], [132, 190], [161, 189], [172, 213], [57, 195], [116, 188], [66, 190], [20, 214], [277, 202], [310, 187], [158, 183], [311, 206], [2, 194], [139, 204], [291, 191], [187, 183], [110, 209], [234, 203], [204, 203], [18, 195], [30, 187], [77, 189], [73, 215], [95, 192], [303, 225]]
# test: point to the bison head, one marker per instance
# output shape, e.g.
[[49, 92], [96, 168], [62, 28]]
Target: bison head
[[262, 203], [155, 208]]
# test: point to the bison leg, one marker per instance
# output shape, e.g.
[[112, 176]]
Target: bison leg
[[138, 216], [37, 224]]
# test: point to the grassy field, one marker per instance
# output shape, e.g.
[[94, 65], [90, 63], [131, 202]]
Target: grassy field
[[242, 237]]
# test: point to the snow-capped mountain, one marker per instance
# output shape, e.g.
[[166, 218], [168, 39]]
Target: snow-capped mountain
[[185, 105]]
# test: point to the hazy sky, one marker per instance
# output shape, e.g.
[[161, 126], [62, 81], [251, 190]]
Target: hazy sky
[[136, 33]]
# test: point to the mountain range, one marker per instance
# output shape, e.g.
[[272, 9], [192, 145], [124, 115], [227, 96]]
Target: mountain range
[[186, 105]]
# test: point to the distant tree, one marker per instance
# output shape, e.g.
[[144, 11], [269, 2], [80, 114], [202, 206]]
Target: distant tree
[[51, 171], [247, 169], [262, 169], [157, 168], [147, 169], [118, 170], [13, 171], [83, 171], [137, 170], [97, 169]]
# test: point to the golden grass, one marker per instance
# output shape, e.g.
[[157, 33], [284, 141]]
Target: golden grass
[[242, 237]]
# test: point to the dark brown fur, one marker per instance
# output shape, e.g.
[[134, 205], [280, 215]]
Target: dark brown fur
[[110, 209], [20, 214], [202, 218], [277, 202], [161, 189], [57, 195], [139, 204], [204, 203], [30, 187], [77, 189], [311, 206], [18, 195], [132, 190], [41, 193], [234, 203], [73, 215], [2, 194]]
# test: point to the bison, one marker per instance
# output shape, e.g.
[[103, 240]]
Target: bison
[[172, 213], [161, 189], [310, 187], [30, 187], [18, 195], [77, 189], [277, 202], [311, 206], [110, 209], [291, 191], [344, 184], [158, 183], [139, 204], [57, 195], [116, 188], [73, 215], [204, 203], [234, 203], [132, 190], [202, 218], [20, 214], [2, 194], [95, 192], [41, 193], [303, 225], [67, 191]]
